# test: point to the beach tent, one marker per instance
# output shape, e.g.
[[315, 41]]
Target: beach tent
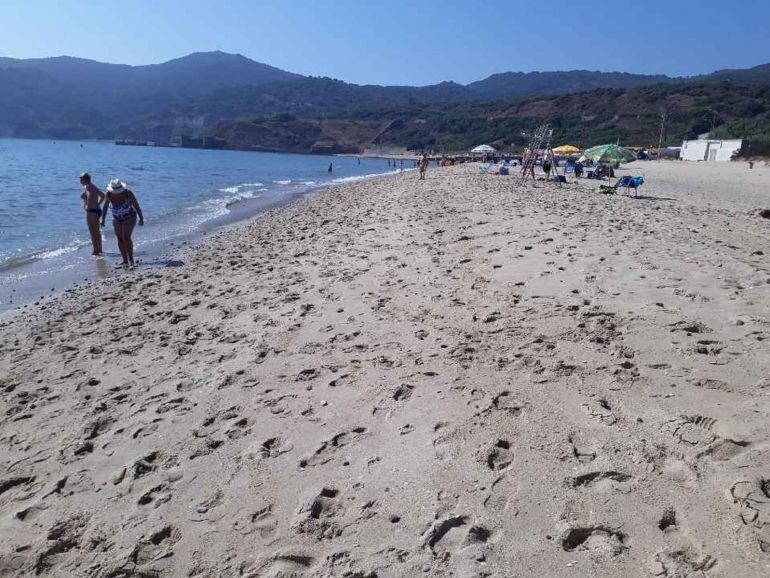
[[484, 149], [566, 150]]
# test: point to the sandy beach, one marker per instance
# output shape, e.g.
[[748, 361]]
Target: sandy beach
[[464, 376]]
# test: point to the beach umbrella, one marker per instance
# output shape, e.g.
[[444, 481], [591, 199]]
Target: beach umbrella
[[484, 149], [610, 153], [566, 150]]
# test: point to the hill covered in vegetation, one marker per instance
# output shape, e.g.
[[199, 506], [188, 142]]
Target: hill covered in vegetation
[[254, 105], [631, 116]]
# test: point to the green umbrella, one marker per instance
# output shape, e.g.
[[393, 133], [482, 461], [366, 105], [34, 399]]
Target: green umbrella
[[610, 153]]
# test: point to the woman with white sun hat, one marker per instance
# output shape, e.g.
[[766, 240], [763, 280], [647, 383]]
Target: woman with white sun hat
[[125, 210]]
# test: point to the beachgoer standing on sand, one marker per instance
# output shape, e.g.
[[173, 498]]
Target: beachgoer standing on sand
[[423, 166], [92, 200], [547, 168], [125, 209]]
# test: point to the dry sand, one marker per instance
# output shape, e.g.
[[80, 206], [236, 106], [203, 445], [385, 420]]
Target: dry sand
[[456, 377]]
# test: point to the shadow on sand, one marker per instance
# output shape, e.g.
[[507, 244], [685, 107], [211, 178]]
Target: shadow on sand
[[162, 263], [649, 198]]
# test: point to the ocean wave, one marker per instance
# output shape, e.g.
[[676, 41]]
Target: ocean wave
[[286, 182], [240, 198], [218, 206], [237, 188], [21, 260], [364, 177]]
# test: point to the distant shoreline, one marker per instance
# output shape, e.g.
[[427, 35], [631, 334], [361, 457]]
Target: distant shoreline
[[170, 146]]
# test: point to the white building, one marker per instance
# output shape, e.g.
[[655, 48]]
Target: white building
[[709, 150]]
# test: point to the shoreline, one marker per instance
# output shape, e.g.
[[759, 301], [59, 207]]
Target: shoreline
[[458, 376], [34, 278]]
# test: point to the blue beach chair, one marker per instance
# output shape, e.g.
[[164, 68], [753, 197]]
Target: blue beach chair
[[629, 182]]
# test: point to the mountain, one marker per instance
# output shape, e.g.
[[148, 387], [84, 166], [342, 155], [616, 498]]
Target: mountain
[[755, 75], [219, 69], [526, 84], [67, 97], [253, 104]]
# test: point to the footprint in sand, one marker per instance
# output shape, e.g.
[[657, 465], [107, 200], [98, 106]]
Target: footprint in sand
[[270, 448], [701, 433], [581, 451], [682, 563], [453, 540], [159, 494], [403, 392], [152, 553], [753, 499], [140, 467], [179, 405], [62, 537], [601, 410], [505, 402], [282, 563], [692, 430], [497, 458], [595, 539], [598, 478], [327, 450], [318, 516], [262, 523]]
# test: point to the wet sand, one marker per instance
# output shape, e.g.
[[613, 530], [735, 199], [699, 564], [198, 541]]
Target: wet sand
[[464, 376]]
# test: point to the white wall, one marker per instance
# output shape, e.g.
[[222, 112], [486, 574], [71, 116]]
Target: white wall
[[704, 150]]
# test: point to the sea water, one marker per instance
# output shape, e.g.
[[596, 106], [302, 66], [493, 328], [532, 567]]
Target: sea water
[[44, 241]]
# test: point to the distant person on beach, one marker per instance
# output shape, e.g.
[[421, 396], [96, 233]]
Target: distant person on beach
[[528, 168], [547, 168], [92, 200], [330, 167], [125, 209], [423, 166], [402, 165]]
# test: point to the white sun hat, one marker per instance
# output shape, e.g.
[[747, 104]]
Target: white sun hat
[[116, 186]]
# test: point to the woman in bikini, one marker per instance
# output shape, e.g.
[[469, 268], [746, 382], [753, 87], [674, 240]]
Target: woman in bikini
[[92, 197], [125, 209]]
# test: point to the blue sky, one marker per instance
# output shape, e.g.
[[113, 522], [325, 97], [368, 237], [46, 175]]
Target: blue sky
[[400, 42]]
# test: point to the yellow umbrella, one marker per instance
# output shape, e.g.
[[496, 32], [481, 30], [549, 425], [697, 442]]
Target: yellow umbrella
[[566, 150]]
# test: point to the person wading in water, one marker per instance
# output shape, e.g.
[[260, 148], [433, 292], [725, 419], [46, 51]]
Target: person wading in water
[[92, 200], [125, 209]]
